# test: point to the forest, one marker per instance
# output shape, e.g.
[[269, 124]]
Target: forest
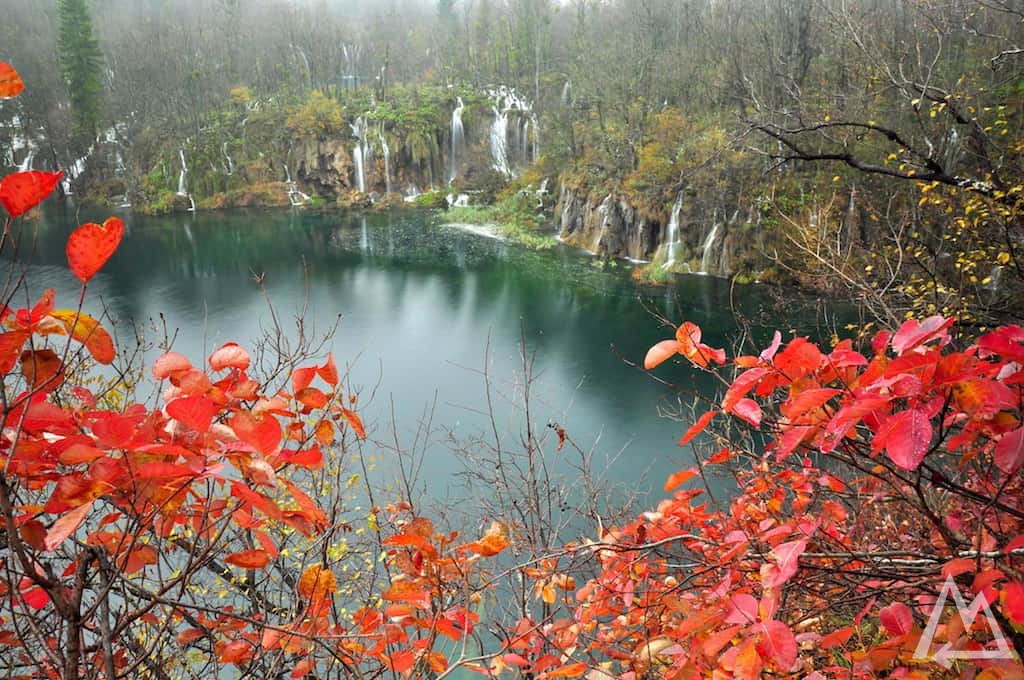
[[167, 516]]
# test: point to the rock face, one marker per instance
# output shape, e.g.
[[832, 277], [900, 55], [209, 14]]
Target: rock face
[[706, 242], [325, 166], [611, 227]]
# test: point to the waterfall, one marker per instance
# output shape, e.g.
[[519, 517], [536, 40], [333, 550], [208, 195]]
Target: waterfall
[[358, 130], [295, 197], [708, 248], [229, 165], [672, 237], [535, 147], [505, 100], [499, 134], [567, 93], [387, 159], [27, 163], [458, 139], [182, 186]]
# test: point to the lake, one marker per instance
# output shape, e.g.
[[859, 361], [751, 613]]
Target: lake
[[423, 308]]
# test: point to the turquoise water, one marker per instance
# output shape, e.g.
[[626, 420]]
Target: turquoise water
[[422, 310]]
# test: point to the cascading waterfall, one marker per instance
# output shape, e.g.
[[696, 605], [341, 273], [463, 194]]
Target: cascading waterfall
[[295, 197], [672, 237], [387, 159], [182, 185], [708, 248], [229, 165], [458, 139], [505, 100], [499, 135]]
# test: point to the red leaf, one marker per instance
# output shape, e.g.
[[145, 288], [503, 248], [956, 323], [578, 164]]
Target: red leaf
[[196, 412], [678, 478], [957, 566], [697, 427], [688, 336], [907, 436], [91, 245], [401, 661], [229, 355], [35, 597], [1013, 602], [777, 644], [836, 638], [301, 377], [23, 191], [748, 410], [262, 431], [787, 561], [312, 458], [10, 349], [65, 526], [914, 333], [11, 84], [249, 559], [1010, 451], [660, 353], [897, 618]]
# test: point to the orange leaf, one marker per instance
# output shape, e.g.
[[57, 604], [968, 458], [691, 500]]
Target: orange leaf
[[678, 478], [91, 245], [354, 421], [89, 332], [317, 583], [660, 353], [23, 191], [836, 638], [11, 84], [688, 336], [311, 397], [236, 651], [329, 371], [490, 545], [325, 432], [65, 526], [190, 635], [170, 364], [409, 593], [573, 670], [249, 559], [42, 368]]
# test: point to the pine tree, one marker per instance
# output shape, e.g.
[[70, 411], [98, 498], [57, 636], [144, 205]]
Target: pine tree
[[81, 61]]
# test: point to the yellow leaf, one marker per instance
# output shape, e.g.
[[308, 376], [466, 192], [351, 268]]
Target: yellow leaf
[[89, 332]]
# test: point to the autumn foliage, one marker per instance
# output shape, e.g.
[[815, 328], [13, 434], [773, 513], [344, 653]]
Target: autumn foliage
[[171, 538]]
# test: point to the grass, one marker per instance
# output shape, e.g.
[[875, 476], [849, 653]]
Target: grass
[[515, 217]]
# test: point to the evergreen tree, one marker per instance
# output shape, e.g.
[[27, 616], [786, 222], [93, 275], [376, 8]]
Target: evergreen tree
[[81, 61]]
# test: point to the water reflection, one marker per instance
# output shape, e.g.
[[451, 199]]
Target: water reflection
[[421, 305]]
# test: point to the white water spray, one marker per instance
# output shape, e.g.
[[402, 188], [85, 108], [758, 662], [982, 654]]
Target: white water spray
[[672, 235]]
